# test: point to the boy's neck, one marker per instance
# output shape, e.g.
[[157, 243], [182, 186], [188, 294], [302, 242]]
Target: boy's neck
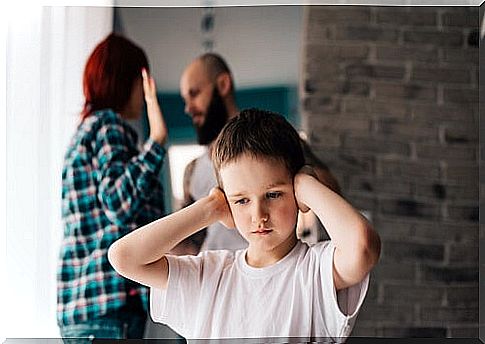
[[257, 258]]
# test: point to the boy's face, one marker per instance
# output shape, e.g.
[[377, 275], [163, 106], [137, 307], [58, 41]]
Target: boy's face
[[261, 198]]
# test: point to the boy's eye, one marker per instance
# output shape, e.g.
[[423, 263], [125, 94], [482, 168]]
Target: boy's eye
[[242, 201], [273, 194]]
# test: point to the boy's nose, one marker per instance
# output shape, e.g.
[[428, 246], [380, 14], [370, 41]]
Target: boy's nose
[[260, 215]]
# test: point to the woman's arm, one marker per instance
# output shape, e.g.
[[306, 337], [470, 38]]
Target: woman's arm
[[140, 255], [127, 182], [357, 243]]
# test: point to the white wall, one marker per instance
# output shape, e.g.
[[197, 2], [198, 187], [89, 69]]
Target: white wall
[[260, 43], [47, 48]]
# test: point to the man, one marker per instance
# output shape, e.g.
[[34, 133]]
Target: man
[[207, 87]]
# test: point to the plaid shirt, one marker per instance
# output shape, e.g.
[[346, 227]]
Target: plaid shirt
[[109, 188]]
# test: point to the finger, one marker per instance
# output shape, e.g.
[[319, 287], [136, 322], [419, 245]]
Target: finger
[[230, 222], [214, 191], [152, 84], [233, 224], [144, 76], [303, 207]]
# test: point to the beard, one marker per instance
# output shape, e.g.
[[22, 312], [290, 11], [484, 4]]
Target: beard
[[215, 119]]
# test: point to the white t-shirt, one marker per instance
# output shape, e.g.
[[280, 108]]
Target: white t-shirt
[[218, 295], [218, 236]]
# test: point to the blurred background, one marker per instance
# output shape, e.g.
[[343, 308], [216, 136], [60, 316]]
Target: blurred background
[[388, 98], [262, 46]]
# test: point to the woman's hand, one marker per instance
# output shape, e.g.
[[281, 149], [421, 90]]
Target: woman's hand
[[222, 212], [158, 128], [149, 88]]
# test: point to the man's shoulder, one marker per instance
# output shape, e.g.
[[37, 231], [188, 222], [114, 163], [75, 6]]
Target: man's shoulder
[[196, 162], [189, 168]]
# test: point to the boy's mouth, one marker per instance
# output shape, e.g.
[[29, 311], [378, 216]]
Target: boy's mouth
[[262, 231]]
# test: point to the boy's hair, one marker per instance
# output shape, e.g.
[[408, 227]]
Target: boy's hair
[[261, 134]]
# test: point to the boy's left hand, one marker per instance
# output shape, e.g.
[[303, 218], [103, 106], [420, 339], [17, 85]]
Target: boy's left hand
[[305, 172]]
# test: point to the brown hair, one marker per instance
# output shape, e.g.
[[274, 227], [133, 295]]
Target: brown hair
[[110, 73], [261, 134]]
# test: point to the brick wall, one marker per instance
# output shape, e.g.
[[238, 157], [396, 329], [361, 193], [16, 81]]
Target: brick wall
[[482, 176], [390, 103]]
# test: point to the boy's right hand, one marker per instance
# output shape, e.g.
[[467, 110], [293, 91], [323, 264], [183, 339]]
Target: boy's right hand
[[222, 212]]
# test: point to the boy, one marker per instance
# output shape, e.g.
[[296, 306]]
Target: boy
[[278, 286]]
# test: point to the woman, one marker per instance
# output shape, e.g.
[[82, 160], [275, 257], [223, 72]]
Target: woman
[[109, 189]]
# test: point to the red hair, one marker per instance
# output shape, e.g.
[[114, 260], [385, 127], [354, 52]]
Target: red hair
[[110, 73]]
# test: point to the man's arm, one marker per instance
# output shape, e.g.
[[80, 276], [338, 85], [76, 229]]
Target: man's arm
[[140, 255], [357, 243]]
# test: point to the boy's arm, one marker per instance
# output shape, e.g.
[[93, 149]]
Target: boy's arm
[[357, 244], [322, 172], [140, 255]]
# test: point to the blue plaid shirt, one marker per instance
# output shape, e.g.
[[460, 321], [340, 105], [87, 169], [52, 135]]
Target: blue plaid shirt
[[109, 188]]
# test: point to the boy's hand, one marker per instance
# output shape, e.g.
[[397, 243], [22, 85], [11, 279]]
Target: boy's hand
[[221, 208], [305, 172]]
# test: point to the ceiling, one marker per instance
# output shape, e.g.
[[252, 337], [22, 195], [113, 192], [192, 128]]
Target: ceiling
[[262, 44]]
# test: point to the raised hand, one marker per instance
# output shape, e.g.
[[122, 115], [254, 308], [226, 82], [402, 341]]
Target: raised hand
[[221, 208], [156, 122], [305, 172]]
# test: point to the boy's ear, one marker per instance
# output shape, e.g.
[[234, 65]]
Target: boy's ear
[[223, 83]]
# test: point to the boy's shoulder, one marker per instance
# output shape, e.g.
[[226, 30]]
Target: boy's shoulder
[[320, 246], [224, 255], [211, 258], [320, 251]]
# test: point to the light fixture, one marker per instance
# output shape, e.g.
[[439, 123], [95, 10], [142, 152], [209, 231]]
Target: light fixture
[[207, 26]]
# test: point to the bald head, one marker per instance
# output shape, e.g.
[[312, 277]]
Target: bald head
[[214, 66], [207, 89]]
